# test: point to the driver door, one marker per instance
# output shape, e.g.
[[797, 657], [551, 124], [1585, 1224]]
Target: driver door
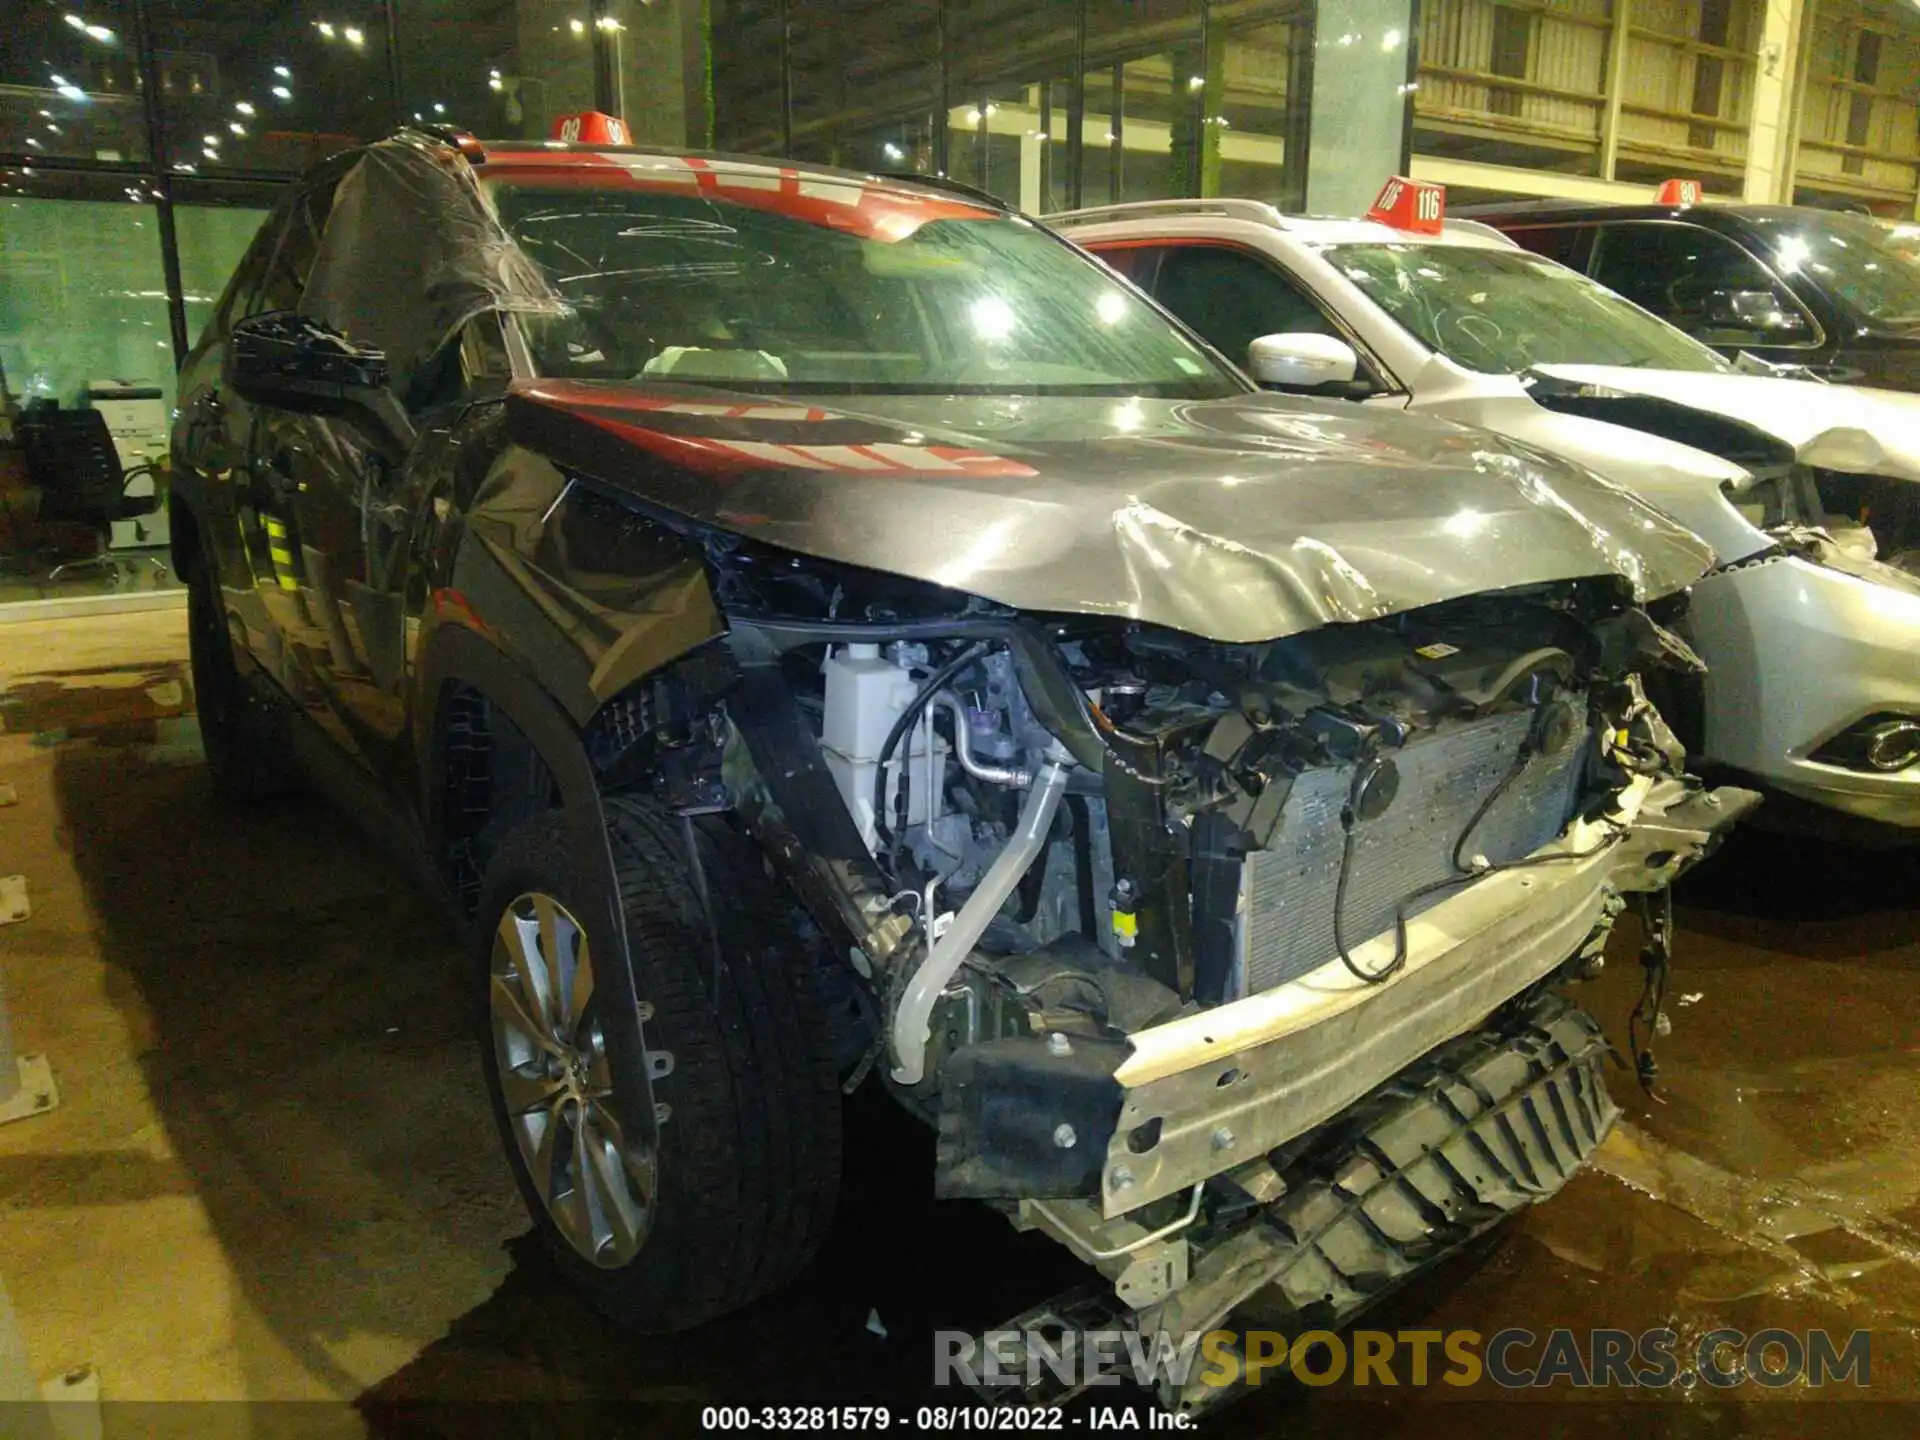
[[307, 475]]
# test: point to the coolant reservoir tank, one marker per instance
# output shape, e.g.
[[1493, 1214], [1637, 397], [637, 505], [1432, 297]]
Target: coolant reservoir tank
[[865, 694]]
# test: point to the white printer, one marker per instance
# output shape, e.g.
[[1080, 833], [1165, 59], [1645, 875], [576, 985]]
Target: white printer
[[136, 415]]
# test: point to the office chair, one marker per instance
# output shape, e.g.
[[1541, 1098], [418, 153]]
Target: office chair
[[71, 460]]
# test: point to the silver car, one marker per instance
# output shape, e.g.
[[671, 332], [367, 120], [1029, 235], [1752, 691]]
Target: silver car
[[1810, 624]]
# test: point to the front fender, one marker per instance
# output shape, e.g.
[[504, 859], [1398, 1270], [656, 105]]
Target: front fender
[[457, 653], [580, 589]]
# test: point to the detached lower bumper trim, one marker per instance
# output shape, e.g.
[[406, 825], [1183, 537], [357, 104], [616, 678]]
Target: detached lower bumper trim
[[1496, 1122], [1234, 1082]]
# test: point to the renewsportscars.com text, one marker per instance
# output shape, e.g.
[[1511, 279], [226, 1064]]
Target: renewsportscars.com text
[[1510, 1359]]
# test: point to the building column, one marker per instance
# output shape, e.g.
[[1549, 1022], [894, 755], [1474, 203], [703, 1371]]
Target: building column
[[1773, 135], [1360, 123]]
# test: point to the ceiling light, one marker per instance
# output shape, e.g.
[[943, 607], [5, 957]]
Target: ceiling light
[[283, 92], [326, 30], [243, 107], [283, 72], [354, 35], [579, 27], [236, 127]]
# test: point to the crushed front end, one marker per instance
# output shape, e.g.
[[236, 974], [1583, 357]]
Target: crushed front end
[[1145, 924]]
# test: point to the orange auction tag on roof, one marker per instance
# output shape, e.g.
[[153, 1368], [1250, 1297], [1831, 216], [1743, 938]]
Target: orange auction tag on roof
[[1416, 205]]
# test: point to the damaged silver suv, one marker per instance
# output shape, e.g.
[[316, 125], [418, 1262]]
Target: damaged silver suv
[[823, 628]]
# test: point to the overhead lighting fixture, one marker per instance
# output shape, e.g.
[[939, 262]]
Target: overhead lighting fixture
[[236, 127], [326, 30], [579, 27], [608, 23], [244, 107], [1196, 82], [100, 33], [71, 92], [283, 92], [354, 35], [283, 72]]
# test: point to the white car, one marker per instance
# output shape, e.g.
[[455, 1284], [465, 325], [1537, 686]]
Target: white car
[[1809, 493]]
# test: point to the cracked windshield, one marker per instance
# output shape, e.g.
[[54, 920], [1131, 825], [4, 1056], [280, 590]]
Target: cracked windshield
[[1504, 311]]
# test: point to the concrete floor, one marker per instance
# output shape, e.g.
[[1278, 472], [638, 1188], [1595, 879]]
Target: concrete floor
[[272, 1178]]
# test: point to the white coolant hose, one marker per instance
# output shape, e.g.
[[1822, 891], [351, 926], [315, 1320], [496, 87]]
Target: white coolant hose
[[946, 954]]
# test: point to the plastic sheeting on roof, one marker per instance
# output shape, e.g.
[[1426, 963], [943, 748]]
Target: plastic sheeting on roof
[[411, 253]]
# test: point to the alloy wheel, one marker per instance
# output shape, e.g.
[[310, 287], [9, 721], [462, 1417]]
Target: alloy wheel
[[555, 1079]]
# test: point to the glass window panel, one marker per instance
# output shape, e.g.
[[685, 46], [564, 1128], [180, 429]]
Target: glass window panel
[[212, 238], [858, 64], [649, 53], [1360, 100], [85, 298], [1255, 113], [503, 70], [1011, 141], [1139, 23], [1099, 176], [899, 147], [1155, 131], [70, 89], [746, 64], [276, 87]]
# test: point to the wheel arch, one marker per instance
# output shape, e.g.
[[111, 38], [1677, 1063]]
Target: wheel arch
[[456, 660]]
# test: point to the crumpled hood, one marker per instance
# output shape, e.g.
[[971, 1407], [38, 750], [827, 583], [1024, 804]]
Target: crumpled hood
[[1241, 519], [1848, 428]]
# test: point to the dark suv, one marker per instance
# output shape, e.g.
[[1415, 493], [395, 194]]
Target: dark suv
[[1834, 292], [817, 626]]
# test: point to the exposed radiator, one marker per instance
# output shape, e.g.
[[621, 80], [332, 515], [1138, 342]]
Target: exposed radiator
[[1285, 924]]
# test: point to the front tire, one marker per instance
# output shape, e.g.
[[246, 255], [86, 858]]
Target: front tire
[[741, 1189]]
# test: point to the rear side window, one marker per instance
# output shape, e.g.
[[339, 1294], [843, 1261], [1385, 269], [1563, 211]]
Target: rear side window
[[1700, 281], [1233, 298]]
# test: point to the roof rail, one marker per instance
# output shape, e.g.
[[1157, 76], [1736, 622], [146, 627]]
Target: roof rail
[[453, 135], [942, 182], [1256, 210], [1539, 205]]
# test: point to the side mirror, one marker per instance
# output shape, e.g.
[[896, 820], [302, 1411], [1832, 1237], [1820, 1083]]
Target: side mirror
[[1299, 360], [1753, 310], [285, 361]]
